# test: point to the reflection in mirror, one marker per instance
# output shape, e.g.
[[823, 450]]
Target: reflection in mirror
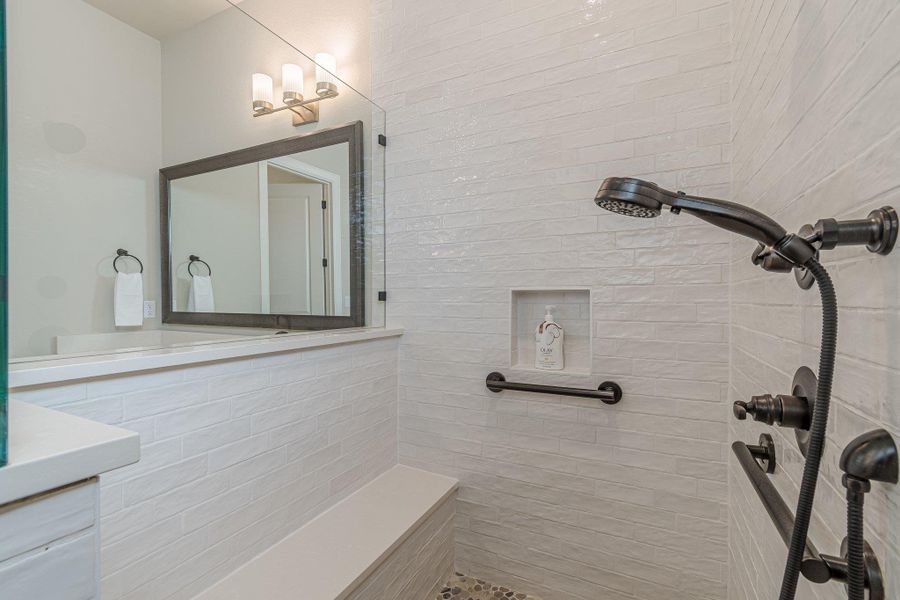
[[277, 229], [268, 236]]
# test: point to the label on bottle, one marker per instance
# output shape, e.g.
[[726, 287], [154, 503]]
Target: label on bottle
[[549, 347]]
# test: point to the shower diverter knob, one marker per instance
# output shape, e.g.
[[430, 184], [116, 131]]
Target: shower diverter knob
[[786, 411]]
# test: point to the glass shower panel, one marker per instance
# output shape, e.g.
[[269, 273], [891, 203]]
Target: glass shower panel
[[4, 431], [83, 174]]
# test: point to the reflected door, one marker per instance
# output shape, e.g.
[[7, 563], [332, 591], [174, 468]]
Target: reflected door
[[298, 256]]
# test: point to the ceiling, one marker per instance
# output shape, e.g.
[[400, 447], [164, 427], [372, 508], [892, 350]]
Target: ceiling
[[161, 18]]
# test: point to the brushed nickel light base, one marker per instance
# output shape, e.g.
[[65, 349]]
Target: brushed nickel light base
[[304, 111]]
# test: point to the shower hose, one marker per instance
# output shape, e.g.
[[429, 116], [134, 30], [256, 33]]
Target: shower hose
[[856, 566], [816, 430]]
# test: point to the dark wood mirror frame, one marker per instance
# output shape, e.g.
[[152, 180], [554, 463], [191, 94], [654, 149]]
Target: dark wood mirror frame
[[351, 134]]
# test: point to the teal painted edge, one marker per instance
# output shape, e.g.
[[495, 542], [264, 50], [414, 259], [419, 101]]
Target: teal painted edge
[[4, 293]]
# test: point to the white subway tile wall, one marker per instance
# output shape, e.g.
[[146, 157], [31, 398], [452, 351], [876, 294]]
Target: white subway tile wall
[[235, 455], [503, 118], [815, 135]]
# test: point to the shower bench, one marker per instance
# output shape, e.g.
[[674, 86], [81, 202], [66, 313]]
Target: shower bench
[[392, 539]]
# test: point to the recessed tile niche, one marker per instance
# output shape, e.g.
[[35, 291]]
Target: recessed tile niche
[[573, 312]]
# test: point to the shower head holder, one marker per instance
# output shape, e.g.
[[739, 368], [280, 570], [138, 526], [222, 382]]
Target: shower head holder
[[871, 456], [878, 232]]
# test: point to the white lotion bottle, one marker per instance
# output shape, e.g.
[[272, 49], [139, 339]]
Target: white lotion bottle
[[548, 343]]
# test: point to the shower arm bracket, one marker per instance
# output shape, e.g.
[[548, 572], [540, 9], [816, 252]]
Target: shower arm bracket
[[878, 232]]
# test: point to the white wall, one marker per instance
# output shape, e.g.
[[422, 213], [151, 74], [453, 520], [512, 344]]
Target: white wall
[[503, 119], [815, 135], [84, 144], [235, 455]]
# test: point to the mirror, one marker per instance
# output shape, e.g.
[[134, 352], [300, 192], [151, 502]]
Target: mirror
[[268, 236]]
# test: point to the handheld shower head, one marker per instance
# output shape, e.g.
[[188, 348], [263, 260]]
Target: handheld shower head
[[639, 198], [778, 250], [630, 197]]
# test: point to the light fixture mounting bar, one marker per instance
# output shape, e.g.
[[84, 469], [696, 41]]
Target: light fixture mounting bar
[[305, 111]]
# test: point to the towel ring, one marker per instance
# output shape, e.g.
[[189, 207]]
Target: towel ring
[[194, 258], [122, 254]]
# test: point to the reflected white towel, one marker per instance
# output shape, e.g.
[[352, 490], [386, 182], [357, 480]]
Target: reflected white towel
[[200, 296], [128, 303]]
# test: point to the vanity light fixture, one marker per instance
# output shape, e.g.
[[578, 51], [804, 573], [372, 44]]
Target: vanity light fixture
[[325, 69], [303, 111], [291, 83], [262, 93]]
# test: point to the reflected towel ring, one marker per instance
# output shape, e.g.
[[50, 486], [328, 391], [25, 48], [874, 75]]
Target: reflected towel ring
[[120, 253], [194, 258]]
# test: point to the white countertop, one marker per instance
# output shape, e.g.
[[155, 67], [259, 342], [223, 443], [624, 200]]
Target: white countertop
[[49, 449], [55, 370]]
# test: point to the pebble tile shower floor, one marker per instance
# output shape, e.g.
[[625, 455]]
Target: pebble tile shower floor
[[461, 587]]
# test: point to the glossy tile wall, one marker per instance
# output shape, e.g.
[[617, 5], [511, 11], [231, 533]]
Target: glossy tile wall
[[503, 118], [816, 134], [235, 455]]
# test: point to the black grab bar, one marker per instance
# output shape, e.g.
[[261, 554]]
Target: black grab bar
[[818, 568], [608, 392]]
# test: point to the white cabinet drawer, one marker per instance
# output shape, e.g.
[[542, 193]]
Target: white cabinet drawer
[[40, 520], [64, 571]]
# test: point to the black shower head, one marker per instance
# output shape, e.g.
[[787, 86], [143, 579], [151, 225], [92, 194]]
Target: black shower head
[[631, 197], [639, 198]]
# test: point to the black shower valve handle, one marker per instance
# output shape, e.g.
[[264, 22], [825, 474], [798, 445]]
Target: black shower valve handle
[[783, 410], [761, 408]]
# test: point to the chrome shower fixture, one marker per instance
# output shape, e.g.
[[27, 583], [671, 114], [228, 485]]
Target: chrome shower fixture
[[778, 250]]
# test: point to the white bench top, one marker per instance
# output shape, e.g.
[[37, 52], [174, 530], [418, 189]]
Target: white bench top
[[327, 558]]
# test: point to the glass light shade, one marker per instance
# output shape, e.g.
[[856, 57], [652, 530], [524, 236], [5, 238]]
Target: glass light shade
[[291, 83], [326, 66], [262, 92]]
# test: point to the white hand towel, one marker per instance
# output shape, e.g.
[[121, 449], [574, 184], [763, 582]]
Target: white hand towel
[[200, 296], [129, 300]]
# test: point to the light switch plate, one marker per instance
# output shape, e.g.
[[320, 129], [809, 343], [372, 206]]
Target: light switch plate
[[149, 309]]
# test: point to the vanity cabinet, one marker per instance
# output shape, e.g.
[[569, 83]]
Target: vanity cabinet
[[50, 544]]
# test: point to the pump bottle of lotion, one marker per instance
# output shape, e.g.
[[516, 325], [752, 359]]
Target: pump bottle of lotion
[[548, 338]]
